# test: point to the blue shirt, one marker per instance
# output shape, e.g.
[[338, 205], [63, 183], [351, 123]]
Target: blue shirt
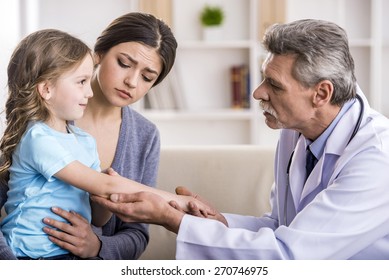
[[33, 188]]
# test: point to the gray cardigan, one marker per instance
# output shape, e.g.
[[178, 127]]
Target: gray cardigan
[[137, 158]]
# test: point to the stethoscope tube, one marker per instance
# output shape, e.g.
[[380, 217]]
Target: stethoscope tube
[[358, 124]]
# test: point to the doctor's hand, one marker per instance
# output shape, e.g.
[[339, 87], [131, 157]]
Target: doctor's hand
[[143, 207], [76, 236], [193, 210]]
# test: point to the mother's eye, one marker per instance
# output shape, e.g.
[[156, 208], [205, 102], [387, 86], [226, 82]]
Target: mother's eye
[[147, 79], [122, 64]]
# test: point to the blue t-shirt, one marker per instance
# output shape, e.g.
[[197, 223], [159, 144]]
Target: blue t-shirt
[[33, 189]]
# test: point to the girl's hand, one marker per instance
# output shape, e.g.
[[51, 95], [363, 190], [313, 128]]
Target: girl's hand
[[193, 206]]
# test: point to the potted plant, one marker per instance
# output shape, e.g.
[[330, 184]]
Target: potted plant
[[211, 18]]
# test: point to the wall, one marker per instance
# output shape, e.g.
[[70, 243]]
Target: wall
[[9, 34], [84, 19]]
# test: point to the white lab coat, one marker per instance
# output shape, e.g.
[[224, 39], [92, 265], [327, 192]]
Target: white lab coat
[[342, 210]]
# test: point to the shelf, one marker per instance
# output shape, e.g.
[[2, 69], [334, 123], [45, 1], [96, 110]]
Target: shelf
[[197, 44], [214, 115]]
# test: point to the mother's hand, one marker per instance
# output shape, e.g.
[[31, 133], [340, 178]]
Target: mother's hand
[[76, 237]]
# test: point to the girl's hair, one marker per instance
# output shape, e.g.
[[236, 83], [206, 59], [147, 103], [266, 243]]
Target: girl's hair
[[41, 56], [142, 28], [322, 53]]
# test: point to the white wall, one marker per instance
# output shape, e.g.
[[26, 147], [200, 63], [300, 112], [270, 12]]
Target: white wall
[[82, 18], [9, 34]]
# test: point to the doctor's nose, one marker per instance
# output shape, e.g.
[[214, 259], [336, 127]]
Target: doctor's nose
[[260, 93]]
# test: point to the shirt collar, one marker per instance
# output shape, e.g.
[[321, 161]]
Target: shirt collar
[[317, 146]]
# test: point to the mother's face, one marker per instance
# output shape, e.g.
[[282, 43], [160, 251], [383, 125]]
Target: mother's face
[[127, 72]]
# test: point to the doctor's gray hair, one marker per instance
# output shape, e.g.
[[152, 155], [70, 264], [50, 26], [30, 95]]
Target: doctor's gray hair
[[322, 53]]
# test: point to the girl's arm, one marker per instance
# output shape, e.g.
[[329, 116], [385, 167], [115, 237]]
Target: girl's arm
[[100, 215], [102, 184]]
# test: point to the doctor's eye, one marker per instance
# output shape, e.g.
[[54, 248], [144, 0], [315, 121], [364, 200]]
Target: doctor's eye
[[274, 85]]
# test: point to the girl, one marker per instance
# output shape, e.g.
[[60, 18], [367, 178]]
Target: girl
[[45, 160], [126, 141]]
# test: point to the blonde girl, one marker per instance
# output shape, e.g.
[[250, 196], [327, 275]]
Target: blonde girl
[[45, 160]]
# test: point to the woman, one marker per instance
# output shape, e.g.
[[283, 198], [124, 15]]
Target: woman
[[134, 53]]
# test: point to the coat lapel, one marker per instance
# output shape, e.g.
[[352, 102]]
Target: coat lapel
[[335, 146], [297, 172]]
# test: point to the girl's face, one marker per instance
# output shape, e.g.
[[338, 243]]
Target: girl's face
[[68, 96], [127, 72]]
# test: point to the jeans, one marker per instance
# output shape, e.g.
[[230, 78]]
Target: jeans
[[59, 257]]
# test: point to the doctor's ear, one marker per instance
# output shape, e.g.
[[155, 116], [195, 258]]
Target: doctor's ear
[[44, 90], [323, 93]]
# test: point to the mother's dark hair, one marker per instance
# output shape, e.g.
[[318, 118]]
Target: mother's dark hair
[[143, 28]]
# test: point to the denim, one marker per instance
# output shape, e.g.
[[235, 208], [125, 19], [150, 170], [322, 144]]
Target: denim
[[59, 257]]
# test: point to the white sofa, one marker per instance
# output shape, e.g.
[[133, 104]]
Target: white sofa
[[235, 179]]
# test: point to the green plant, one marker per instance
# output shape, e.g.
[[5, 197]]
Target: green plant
[[211, 16]]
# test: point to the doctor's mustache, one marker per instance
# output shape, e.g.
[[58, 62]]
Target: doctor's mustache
[[266, 107]]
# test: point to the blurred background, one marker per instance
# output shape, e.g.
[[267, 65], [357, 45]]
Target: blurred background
[[206, 99]]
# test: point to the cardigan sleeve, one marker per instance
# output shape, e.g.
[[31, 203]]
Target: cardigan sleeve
[[5, 250], [137, 158]]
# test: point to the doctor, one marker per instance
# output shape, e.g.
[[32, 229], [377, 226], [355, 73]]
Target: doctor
[[340, 209]]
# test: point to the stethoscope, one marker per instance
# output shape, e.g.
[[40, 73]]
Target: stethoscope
[[356, 128]]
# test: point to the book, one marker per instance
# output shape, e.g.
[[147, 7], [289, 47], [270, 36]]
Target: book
[[240, 86]]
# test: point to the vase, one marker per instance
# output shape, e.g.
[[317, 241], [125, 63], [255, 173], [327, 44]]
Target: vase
[[212, 33]]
